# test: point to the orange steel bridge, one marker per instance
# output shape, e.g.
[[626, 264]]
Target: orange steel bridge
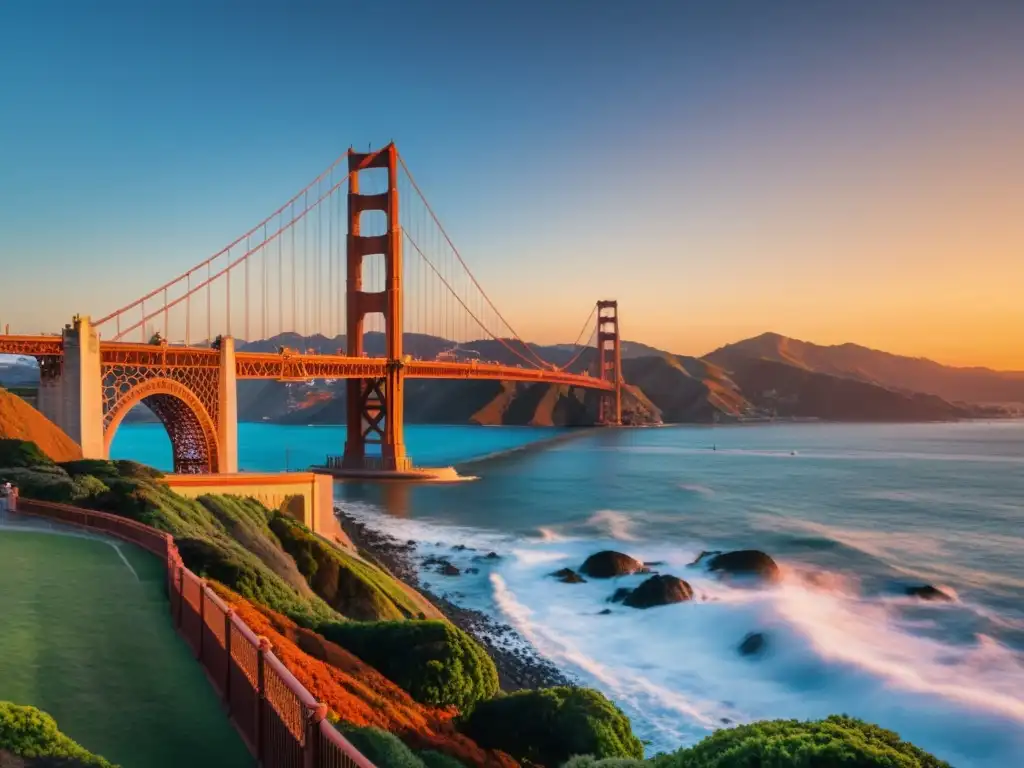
[[330, 260]]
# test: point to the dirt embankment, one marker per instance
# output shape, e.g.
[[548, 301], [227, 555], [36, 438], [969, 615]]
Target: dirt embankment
[[20, 421]]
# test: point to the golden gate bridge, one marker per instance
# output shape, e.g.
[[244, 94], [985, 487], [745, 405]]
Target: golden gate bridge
[[358, 250]]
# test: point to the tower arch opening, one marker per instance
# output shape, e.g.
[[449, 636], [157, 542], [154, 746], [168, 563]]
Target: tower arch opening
[[191, 430]]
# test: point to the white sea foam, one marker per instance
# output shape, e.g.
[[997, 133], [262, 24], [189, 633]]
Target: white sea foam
[[676, 672]]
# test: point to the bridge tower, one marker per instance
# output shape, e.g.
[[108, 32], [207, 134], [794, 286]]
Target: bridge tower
[[375, 406], [609, 357]]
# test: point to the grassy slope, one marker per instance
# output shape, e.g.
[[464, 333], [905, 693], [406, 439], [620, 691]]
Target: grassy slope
[[87, 642]]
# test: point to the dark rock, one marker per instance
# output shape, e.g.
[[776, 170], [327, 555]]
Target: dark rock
[[928, 592], [606, 564], [745, 562], [659, 590], [568, 576], [492, 556], [620, 594], [725, 720], [653, 563], [411, 543], [605, 612], [752, 644], [472, 570], [704, 554], [459, 548], [447, 569]]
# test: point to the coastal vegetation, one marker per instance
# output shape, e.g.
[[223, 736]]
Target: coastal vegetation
[[31, 734], [835, 741], [435, 661], [550, 725]]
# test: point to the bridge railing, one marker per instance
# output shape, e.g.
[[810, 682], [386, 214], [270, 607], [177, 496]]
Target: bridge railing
[[281, 722]]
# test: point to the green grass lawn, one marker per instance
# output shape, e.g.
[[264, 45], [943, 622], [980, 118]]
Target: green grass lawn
[[85, 640]]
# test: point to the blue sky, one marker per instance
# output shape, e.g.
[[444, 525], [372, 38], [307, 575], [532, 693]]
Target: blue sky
[[722, 168]]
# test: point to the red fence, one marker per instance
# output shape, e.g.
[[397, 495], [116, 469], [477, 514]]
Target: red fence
[[279, 720]]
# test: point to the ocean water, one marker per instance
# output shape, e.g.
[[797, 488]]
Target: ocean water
[[853, 514]]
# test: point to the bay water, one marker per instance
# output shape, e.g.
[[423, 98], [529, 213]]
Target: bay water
[[854, 514]]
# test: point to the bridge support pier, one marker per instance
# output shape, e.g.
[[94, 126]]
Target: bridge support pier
[[375, 406], [227, 412], [73, 399]]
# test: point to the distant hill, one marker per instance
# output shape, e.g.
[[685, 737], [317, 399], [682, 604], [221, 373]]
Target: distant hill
[[790, 391], [852, 361]]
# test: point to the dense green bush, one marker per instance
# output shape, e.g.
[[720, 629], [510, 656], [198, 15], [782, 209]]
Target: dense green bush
[[434, 759], [550, 725], [29, 732], [22, 453], [836, 741], [380, 747], [351, 586], [589, 761], [436, 662], [45, 483]]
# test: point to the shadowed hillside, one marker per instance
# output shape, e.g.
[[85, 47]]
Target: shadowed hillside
[[787, 390], [913, 374]]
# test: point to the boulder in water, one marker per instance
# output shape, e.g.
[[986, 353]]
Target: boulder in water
[[659, 590], [753, 644], [745, 562], [448, 569], [607, 564], [620, 594], [568, 576], [704, 555], [928, 592]]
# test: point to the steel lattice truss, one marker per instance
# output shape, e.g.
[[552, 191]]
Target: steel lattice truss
[[180, 385]]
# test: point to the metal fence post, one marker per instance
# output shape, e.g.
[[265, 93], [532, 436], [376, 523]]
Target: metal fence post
[[227, 649], [202, 618], [261, 693], [311, 749], [181, 591]]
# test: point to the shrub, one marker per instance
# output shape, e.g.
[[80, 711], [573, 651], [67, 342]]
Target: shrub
[[550, 725], [46, 484], [101, 468], [589, 761], [29, 732], [432, 759], [351, 586], [836, 741], [22, 453], [230, 564], [380, 747], [436, 662], [86, 487]]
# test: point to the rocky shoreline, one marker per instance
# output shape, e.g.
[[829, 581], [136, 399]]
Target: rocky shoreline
[[519, 665]]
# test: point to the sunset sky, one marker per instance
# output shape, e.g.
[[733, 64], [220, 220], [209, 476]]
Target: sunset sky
[[832, 171]]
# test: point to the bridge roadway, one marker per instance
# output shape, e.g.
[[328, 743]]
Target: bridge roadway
[[292, 366]]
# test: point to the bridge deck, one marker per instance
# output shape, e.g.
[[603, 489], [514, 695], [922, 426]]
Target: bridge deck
[[298, 367]]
